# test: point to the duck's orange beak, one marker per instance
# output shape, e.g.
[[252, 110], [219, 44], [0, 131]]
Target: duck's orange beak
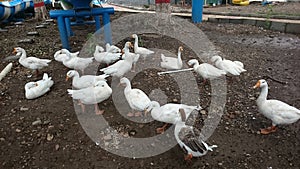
[[130, 45], [257, 85], [14, 51], [67, 78]]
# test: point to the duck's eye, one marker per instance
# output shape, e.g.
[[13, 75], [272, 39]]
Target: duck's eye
[[102, 85]]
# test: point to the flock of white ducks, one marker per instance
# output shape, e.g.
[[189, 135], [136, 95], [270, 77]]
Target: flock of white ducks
[[94, 89]]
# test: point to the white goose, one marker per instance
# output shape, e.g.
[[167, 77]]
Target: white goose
[[205, 70], [188, 138], [136, 98], [169, 113], [112, 48], [105, 57], [36, 89], [127, 53], [278, 111], [144, 52], [31, 62], [74, 62], [95, 94], [62, 55], [119, 68], [231, 68], [85, 80], [171, 62]]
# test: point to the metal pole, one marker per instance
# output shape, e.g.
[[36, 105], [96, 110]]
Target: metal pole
[[197, 10]]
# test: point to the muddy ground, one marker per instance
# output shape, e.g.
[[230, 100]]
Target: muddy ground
[[60, 141]]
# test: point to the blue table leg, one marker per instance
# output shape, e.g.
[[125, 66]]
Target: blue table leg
[[97, 22], [107, 30], [68, 27], [63, 32]]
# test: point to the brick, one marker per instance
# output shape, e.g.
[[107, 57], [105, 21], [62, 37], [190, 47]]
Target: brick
[[292, 28]]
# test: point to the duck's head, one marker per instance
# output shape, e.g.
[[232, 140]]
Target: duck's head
[[215, 58], [180, 49], [99, 49], [134, 36], [260, 83], [17, 50], [128, 45], [30, 85], [192, 62], [124, 81], [70, 74]]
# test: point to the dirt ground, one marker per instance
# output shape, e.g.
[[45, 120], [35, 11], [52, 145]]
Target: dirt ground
[[60, 142]]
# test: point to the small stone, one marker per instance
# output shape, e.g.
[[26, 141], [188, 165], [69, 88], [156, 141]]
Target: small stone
[[41, 26], [3, 30], [18, 23], [220, 164], [33, 33], [258, 132], [107, 137], [37, 122], [18, 130], [151, 163], [46, 122], [175, 100], [203, 112], [49, 20], [50, 137], [24, 109], [26, 41], [2, 139], [56, 147]]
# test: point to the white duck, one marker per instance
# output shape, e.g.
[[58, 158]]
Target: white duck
[[119, 68], [169, 113], [144, 52], [171, 62], [112, 48], [31, 62], [205, 70], [136, 98], [36, 89], [62, 55], [127, 53], [95, 94], [231, 68], [188, 138], [278, 111], [74, 62], [105, 57], [85, 80]]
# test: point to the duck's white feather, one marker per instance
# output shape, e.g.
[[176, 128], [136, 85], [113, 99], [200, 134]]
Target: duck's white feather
[[36, 89]]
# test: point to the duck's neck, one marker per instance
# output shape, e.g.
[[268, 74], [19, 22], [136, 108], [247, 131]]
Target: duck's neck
[[263, 94], [23, 54], [179, 57], [76, 75], [136, 42], [196, 64], [128, 87]]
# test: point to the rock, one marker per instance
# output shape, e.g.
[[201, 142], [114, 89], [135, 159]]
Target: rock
[[24, 109], [18, 23], [2, 139], [26, 41], [37, 122], [56, 147], [35, 33], [107, 137], [50, 137], [3, 30], [41, 26], [18, 130], [203, 112], [49, 20]]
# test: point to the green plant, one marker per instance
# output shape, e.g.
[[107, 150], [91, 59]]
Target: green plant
[[268, 15]]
